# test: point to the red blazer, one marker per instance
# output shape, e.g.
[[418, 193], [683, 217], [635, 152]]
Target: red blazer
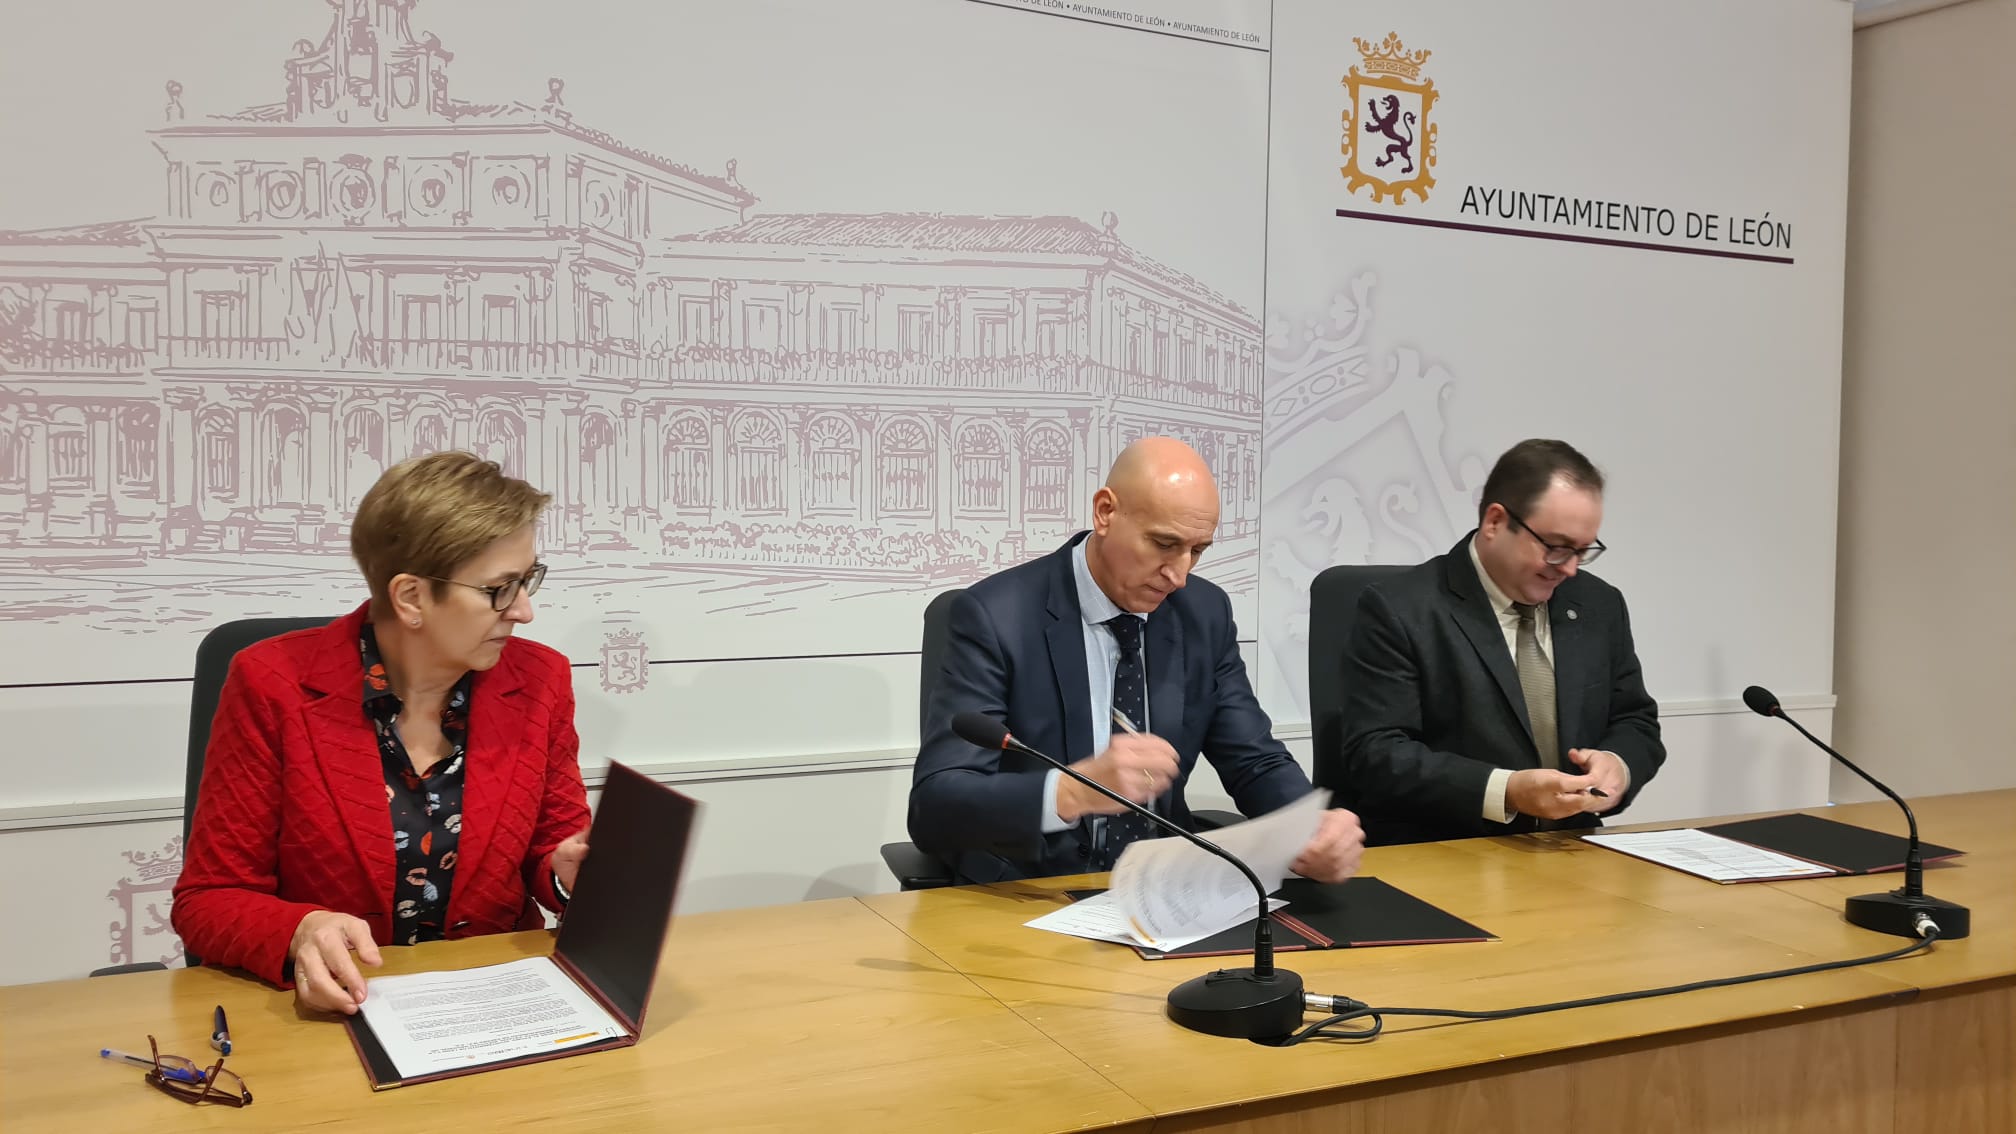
[[293, 815]]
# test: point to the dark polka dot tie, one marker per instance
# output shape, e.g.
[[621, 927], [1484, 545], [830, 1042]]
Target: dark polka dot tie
[[1130, 696]]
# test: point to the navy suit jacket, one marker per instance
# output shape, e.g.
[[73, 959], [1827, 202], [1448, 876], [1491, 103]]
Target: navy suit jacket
[[1432, 700], [1016, 651]]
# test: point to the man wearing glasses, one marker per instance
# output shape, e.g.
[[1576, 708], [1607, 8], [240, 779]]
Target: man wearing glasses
[[1495, 689]]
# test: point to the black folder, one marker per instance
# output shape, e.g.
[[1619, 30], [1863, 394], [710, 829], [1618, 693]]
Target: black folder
[[1839, 847], [1355, 914], [616, 921]]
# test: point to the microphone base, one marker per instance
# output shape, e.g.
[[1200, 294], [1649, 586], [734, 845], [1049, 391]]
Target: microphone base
[[1895, 912], [1232, 1003]]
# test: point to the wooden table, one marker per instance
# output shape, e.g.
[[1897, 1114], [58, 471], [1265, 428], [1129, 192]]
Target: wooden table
[[1846, 1051], [938, 1011], [762, 1019]]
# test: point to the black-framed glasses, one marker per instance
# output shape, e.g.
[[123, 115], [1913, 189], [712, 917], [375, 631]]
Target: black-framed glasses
[[1558, 554], [171, 1075], [502, 595]]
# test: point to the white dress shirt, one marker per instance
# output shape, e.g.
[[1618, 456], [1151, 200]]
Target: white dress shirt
[[1102, 661]]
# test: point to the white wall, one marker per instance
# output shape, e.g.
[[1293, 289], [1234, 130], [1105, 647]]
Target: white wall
[[786, 699], [1926, 622]]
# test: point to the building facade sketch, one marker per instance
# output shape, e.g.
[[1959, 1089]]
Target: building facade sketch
[[371, 268]]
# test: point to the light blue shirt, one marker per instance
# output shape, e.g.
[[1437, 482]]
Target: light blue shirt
[[1102, 661]]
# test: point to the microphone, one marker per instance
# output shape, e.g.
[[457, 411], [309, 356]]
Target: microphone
[[1902, 911], [1257, 1003]]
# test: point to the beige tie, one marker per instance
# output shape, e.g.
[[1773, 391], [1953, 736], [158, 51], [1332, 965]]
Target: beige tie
[[1536, 680]]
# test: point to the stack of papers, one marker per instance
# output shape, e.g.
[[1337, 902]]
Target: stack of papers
[[1099, 918], [1169, 892]]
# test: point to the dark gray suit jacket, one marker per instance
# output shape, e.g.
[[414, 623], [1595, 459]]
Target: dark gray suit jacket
[[1016, 651], [1433, 704]]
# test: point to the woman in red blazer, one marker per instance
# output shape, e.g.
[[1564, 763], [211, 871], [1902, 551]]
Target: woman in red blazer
[[406, 773]]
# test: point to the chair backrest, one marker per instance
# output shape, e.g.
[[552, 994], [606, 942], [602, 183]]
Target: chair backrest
[[1333, 607], [213, 662], [937, 620]]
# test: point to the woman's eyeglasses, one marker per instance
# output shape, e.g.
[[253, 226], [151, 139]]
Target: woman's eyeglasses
[[183, 1079], [502, 595]]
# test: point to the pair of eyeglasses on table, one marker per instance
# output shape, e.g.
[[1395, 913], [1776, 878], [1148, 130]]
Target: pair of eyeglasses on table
[[183, 1079]]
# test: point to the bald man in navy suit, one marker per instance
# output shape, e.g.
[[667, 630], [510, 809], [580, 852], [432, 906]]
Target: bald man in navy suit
[[1114, 619]]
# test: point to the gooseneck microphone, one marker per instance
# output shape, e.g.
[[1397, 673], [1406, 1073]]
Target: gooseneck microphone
[[1261, 1002], [1904, 910]]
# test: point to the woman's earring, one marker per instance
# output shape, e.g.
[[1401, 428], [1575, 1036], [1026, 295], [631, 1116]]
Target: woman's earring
[[416, 623]]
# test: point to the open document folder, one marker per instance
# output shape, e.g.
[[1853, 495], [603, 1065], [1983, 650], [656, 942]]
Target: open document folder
[[1772, 849], [590, 995], [1166, 893]]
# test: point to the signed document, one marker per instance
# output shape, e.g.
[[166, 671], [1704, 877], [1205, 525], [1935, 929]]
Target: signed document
[[1170, 891]]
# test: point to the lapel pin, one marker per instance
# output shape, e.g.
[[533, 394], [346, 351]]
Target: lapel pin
[[1571, 616]]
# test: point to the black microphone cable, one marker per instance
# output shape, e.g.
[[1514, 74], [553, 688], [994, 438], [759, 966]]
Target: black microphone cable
[[1345, 1010]]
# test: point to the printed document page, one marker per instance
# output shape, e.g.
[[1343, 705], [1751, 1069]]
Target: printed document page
[[1170, 890], [1708, 856], [433, 1022]]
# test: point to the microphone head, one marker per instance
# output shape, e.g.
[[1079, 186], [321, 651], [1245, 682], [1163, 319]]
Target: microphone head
[[1761, 701], [980, 729]]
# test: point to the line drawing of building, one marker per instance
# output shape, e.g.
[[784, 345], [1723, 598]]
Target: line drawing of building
[[371, 269]]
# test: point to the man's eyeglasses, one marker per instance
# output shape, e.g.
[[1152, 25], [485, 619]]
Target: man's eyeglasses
[[176, 1076], [1558, 554], [503, 594]]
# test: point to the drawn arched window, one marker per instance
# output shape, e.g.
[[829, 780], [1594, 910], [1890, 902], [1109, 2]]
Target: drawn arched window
[[687, 468], [363, 454], [500, 437], [903, 468], [983, 470], [139, 433], [757, 456], [430, 435], [598, 461], [834, 450], [1046, 472], [218, 430], [283, 439]]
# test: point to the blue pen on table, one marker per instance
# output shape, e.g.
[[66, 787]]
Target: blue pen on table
[[180, 1074], [220, 1034]]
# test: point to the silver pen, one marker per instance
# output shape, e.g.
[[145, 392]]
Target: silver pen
[[1124, 725]]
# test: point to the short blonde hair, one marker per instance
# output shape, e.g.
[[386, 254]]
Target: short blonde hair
[[430, 515]]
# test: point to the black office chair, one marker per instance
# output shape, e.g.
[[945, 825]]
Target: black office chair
[[916, 869], [1333, 607], [213, 662]]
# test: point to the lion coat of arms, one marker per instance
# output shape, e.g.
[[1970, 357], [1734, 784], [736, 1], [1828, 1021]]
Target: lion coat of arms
[[1389, 144]]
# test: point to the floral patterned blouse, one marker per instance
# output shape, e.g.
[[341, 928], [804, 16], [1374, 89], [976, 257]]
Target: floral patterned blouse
[[426, 810]]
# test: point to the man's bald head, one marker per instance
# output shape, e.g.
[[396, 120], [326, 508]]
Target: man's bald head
[[1150, 523], [1161, 464]]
